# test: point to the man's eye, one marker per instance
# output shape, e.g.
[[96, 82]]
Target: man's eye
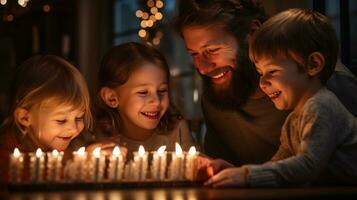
[[193, 54], [213, 50]]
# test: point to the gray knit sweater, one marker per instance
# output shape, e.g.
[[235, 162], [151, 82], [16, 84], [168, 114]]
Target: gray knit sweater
[[318, 142]]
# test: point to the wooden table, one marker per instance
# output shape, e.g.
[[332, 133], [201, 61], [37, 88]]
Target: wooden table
[[191, 193]]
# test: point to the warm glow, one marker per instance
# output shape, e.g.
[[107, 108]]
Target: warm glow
[[150, 3], [143, 24], [192, 151], [159, 4], [161, 150], [16, 153], [55, 153], [46, 8], [141, 150], [142, 33], [96, 152], [158, 16], [116, 151], [139, 13], [153, 10], [149, 23], [81, 151], [145, 15], [178, 149], [38, 152], [156, 41], [195, 95], [3, 2]]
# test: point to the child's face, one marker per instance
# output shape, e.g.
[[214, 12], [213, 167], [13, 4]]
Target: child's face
[[283, 82], [55, 125], [144, 98]]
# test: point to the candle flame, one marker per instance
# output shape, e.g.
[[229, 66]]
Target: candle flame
[[141, 150], [55, 153], [116, 151], [192, 151], [81, 151], [38, 152], [96, 152], [161, 150], [178, 149], [16, 152]]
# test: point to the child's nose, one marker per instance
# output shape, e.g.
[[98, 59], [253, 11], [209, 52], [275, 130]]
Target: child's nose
[[155, 99], [263, 82]]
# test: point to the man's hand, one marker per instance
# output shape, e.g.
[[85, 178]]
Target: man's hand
[[235, 176]]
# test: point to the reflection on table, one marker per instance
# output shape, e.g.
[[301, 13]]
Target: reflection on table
[[191, 193]]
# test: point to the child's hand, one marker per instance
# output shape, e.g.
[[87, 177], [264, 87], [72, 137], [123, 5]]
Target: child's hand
[[207, 168], [235, 176]]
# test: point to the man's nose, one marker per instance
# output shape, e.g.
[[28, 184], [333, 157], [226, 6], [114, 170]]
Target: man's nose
[[204, 64]]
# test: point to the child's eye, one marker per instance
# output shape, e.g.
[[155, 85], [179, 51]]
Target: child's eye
[[142, 93], [80, 118], [61, 121], [272, 71], [163, 91]]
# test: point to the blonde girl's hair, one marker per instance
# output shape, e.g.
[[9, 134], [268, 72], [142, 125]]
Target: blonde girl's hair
[[45, 77]]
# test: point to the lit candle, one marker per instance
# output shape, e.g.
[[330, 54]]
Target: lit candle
[[158, 166], [16, 166], [54, 165], [79, 164], [37, 165], [141, 164], [191, 166], [116, 164], [177, 167], [98, 162]]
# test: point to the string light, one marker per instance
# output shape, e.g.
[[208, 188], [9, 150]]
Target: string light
[[150, 15]]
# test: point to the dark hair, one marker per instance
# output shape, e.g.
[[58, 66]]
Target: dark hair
[[47, 77], [234, 16], [116, 67], [296, 33]]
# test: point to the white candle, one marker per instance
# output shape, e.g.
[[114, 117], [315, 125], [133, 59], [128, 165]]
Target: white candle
[[177, 167], [141, 163], [79, 164], [16, 166], [54, 165], [191, 166], [116, 164], [158, 166], [98, 162], [37, 165]]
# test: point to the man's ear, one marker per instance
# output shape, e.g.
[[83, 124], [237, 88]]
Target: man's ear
[[23, 117], [109, 96], [315, 63]]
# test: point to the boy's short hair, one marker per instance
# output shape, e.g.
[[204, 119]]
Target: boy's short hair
[[296, 33]]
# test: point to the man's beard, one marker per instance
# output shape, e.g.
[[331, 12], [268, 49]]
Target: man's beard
[[235, 94]]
